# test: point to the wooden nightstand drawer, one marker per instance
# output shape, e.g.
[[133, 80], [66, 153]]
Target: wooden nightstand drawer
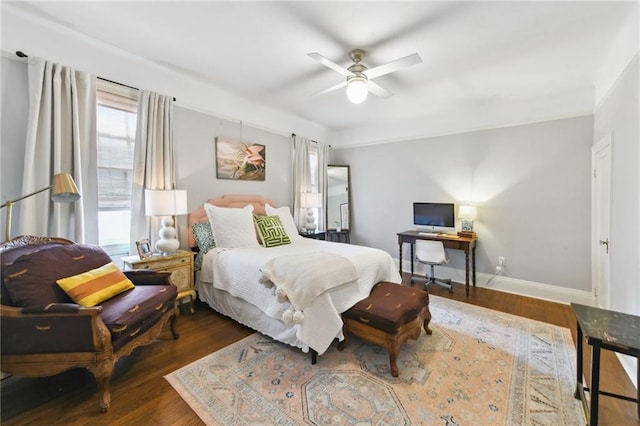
[[161, 263]]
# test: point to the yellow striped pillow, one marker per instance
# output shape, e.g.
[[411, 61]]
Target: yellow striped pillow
[[95, 286]]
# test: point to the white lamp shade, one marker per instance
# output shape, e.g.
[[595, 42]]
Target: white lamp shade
[[311, 200], [165, 202], [357, 90], [467, 212]]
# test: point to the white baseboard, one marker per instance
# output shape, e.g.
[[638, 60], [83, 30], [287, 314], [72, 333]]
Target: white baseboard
[[511, 285]]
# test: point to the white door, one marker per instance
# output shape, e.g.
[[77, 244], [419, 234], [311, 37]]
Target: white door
[[601, 199]]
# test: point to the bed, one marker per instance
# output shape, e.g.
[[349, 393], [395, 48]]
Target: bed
[[231, 280]]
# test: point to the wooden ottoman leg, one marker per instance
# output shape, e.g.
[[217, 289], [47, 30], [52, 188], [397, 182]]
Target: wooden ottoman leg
[[427, 320], [343, 343], [394, 350]]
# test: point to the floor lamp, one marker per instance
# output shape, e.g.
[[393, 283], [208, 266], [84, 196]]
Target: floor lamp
[[63, 190]]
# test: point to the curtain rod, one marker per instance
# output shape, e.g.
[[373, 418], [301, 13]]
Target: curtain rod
[[21, 54], [293, 135]]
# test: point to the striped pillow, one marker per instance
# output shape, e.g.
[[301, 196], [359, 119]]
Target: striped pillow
[[95, 286], [271, 231]]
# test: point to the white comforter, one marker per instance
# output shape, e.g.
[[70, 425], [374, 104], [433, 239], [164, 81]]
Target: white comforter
[[238, 272]]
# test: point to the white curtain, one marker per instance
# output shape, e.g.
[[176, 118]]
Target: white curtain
[[303, 179], [153, 161], [323, 161], [61, 138], [301, 176]]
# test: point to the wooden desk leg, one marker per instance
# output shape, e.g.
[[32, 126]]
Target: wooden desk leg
[[595, 383], [473, 264], [400, 259], [412, 244], [466, 271]]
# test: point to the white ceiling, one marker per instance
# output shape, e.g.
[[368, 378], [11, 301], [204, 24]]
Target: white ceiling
[[475, 54]]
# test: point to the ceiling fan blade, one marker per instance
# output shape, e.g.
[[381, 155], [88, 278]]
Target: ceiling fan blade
[[329, 64], [332, 88], [392, 66], [378, 90]]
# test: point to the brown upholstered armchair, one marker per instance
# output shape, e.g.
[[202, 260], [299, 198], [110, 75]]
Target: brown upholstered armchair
[[43, 332]]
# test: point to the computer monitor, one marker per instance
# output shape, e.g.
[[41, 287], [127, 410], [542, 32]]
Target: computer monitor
[[434, 217]]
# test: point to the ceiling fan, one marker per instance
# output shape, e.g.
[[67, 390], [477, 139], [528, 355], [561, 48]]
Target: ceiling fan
[[359, 77]]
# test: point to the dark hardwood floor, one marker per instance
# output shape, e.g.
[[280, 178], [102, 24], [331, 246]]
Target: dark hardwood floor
[[141, 396]]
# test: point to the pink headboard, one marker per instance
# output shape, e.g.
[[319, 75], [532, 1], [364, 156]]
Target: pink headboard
[[229, 200]]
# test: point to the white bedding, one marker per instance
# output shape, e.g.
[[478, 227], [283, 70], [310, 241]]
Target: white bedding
[[237, 273]]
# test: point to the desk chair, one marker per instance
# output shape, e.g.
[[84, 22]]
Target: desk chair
[[432, 253]]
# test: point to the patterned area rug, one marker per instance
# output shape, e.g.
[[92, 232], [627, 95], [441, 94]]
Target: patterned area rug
[[479, 367]]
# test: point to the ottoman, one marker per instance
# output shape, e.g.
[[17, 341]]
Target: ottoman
[[391, 315]]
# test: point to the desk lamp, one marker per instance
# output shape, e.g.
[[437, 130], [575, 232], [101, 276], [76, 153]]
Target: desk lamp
[[467, 214]]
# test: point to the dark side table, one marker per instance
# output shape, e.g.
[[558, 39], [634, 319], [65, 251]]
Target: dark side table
[[341, 236], [609, 330]]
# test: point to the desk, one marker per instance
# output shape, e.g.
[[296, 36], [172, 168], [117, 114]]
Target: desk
[[610, 330], [454, 242]]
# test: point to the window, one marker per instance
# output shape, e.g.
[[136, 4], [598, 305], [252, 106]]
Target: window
[[313, 165], [116, 134], [315, 184]]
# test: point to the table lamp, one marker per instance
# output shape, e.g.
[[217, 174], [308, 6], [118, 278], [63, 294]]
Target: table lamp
[[311, 200], [166, 203], [467, 214], [63, 190]]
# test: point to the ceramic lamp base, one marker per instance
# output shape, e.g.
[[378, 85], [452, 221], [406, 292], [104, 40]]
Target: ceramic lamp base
[[167, 244], [310, 223]]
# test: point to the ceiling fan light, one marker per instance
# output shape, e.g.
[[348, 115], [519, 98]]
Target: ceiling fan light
[[357, 90]]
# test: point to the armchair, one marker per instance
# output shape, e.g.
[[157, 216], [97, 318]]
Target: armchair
[[43, 332]]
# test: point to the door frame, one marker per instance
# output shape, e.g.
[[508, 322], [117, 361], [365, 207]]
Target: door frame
[[605, 143]]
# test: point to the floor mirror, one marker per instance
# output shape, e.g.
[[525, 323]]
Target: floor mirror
[[338, 201]]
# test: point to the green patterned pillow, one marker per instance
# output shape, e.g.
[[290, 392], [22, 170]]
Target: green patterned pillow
[[204, 238], [271, 231]]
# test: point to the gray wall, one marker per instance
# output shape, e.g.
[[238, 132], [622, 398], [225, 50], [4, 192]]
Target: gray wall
[[619, 114], [531, 185], [194, 138]]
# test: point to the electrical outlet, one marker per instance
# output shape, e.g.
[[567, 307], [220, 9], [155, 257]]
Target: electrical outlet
[[501, 261]]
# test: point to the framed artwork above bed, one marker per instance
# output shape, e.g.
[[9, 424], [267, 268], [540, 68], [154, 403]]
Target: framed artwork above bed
[[238, 160]]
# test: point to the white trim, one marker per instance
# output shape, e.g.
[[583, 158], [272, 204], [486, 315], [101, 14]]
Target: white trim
[[517, 286], [603, 143]]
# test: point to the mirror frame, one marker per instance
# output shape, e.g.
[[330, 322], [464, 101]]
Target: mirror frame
[[349, 205]]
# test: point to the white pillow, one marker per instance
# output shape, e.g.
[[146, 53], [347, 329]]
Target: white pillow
[[287, 220], [232, 227]]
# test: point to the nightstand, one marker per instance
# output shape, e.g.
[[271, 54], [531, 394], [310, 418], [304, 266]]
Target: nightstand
[[180, 264], [338, 236], [313, 235]]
